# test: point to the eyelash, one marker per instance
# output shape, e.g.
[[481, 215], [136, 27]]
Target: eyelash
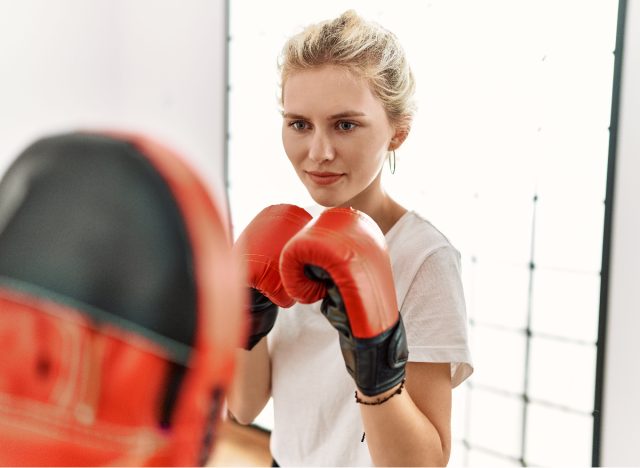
[[354, 125], [293, 123]]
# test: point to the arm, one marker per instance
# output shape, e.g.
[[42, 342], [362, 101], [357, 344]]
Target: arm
[[414, 427], [251, 386], [436, 288], [340, 259], [259, 247]]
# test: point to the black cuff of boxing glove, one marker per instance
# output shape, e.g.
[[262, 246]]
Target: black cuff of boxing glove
[[376, 364], [263, 314]]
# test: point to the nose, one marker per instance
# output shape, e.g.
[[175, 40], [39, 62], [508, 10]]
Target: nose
[[321, 148]]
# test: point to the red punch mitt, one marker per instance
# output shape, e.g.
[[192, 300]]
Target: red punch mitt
[[121, 306]]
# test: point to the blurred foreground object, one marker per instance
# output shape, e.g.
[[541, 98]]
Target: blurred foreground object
[[241, 445], [120, 306]]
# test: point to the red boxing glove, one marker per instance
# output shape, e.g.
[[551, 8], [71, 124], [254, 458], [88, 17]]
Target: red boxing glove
[[342, 259], [259, 246]]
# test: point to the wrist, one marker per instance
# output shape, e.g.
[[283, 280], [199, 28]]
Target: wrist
[[381, 397], [376, 364]]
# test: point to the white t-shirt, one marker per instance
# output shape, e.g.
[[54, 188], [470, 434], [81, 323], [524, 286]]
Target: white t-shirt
[[316, 419]]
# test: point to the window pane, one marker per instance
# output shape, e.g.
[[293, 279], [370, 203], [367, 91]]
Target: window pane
[[499, 240], [572, 164], [558, 438], [498, 357], [562, 373], [496, 422], [566, 304], [569, 234], [500, 295]]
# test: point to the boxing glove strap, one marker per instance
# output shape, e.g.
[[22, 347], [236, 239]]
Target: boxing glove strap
[[376, 364], [263, 317]]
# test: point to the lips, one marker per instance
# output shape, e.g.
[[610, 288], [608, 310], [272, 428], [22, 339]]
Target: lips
[[324, 178]]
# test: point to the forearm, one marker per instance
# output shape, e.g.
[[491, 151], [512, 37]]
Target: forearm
[[251, 386], [399, 434]]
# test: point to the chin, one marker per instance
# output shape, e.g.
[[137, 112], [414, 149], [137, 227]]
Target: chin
[[323, 202], [326, 200]]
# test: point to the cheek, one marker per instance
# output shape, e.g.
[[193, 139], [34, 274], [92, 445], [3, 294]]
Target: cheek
[[286, 142], [293, 148], [371, 154]]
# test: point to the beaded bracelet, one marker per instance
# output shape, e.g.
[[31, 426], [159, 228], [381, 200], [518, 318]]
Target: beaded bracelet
[[381, 400]]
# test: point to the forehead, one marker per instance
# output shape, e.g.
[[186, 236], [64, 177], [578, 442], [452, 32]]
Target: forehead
[[328, 89]]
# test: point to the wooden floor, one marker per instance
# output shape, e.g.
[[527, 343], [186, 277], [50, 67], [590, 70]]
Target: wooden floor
[[239, 445]]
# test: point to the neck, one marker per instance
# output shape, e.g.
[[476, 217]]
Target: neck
[[376, 203]]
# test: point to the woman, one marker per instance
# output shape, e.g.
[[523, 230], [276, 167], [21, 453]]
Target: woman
[[346, 95]]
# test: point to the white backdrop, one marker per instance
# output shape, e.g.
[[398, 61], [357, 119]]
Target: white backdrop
[[155, 66]]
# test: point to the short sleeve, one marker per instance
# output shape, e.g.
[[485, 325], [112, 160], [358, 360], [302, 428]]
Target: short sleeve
[[434, 314]]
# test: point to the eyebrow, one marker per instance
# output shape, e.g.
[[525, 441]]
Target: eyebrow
[[341, 115]]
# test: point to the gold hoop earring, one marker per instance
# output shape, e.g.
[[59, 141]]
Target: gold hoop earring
[[393, 169]]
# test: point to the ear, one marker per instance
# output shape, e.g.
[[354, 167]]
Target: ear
[[401, 134]]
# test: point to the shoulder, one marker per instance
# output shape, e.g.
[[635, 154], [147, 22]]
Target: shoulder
[[414, 239], [427, 271], [413, 232], [413, 242]]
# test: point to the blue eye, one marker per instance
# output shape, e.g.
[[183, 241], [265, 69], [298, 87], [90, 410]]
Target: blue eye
[[298, 124], [346, 126]]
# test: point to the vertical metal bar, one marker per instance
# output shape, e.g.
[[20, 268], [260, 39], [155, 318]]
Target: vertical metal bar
[[227, 38], [606, 244], [527, 354]]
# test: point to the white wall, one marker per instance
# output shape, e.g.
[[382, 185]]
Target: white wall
[[155, 66], [621, 404]]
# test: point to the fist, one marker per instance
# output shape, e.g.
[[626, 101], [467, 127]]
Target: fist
[[259, 247], [341, 259]]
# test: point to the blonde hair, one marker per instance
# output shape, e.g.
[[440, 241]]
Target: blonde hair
[[364, 48]]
